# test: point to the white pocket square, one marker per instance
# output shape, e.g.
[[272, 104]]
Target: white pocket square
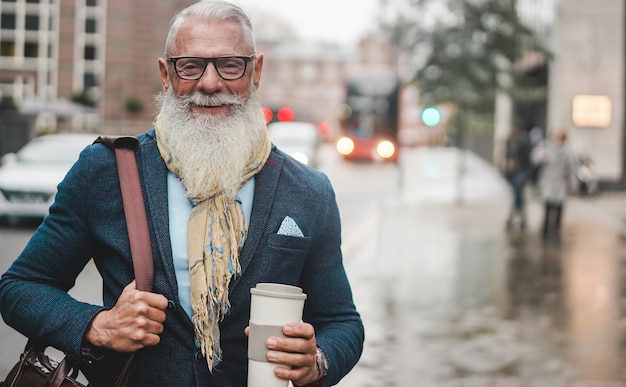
[[290, 227]]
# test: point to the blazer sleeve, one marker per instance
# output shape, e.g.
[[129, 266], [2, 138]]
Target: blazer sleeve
[[330, 307], [33, 291]]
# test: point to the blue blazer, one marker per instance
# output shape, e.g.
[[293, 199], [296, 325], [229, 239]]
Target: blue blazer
[[87, 222]]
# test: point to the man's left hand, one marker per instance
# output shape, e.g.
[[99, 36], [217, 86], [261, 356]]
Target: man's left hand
[[297, 350]]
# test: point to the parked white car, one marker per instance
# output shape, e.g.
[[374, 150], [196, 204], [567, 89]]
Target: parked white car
[[300, 140], [29, 177]]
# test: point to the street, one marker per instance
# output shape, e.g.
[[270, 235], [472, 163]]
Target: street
[[448, 297]]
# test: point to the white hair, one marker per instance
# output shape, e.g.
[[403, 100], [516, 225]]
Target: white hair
[[210, 10]]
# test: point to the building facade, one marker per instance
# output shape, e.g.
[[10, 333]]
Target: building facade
[[307, 77], [101, 53], [585, 79], [104, 53], [586, 83]]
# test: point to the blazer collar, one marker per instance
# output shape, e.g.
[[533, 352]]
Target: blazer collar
[[266, 183]]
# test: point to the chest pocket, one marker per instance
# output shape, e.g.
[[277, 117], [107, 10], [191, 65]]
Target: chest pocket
[[289, 243]]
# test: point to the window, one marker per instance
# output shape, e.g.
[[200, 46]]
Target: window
[[92, 3], [7, 21], [31, 50], [33, 1], [32, 22], [89, 81], [7, 48], [90, 26], [90, 53]]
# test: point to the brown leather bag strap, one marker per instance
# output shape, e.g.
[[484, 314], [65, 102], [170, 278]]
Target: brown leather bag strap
[[134, 208], [136, 221], [57, 377]]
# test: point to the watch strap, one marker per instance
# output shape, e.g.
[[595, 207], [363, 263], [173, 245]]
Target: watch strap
[[322, 362]]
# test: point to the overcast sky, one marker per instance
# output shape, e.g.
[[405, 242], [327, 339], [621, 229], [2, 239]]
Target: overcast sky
[[342, 21]]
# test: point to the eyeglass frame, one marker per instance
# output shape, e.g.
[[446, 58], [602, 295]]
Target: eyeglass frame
[[213, 60]]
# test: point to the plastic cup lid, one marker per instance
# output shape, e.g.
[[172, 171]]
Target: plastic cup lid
[[278, 290]]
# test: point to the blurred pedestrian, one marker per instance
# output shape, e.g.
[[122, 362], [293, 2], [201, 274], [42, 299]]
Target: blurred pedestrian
[[516, 167], [557, 177], [535, 136]]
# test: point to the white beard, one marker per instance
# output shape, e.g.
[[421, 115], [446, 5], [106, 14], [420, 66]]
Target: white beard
[[211, 151]]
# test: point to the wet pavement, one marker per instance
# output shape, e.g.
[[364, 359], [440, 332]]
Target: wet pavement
[[450, 298]]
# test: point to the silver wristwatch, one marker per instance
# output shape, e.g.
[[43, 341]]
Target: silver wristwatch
[[322, 362]]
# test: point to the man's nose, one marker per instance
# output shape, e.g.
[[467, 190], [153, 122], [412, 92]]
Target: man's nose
[[210, 81]]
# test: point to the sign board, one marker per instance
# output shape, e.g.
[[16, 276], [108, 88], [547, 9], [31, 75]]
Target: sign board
[[591, 111]]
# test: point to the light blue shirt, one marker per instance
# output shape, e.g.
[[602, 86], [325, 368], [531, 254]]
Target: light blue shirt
[[179, 209]]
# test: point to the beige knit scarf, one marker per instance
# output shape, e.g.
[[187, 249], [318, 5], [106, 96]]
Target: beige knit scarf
[[215, 232]]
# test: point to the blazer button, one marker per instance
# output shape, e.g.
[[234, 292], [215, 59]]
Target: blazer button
[[197, 356], [171, 304]]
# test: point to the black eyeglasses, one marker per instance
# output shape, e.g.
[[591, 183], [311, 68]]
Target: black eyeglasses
[[229, 68]]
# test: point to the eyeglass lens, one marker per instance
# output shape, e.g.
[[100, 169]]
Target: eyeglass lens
[[227, 67]]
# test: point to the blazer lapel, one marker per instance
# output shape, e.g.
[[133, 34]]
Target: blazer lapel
[[265, 185]]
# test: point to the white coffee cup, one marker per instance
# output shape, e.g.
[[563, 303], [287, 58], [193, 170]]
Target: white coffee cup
[[271, 306]]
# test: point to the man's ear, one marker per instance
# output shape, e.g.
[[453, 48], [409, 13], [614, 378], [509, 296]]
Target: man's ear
[[258, 68], [165, 81]]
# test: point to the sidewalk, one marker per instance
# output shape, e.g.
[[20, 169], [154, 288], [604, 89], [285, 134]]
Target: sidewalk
[[608, 207], [446, 176], [458, 301]]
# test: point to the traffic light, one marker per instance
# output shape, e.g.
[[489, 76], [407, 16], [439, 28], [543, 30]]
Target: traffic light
[[431, 116], [285, 114], [282, 114], [268, 114]]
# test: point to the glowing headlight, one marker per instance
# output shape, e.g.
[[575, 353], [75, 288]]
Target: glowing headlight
[[345, 146], [385, 149]]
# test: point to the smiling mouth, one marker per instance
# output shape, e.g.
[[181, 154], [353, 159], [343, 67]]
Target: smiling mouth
[[210, 109], [214, 106]]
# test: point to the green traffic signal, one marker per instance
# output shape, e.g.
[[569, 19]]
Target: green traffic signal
[[431, 116]]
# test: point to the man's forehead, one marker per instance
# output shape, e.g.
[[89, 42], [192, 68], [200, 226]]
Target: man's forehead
[[198, 37]]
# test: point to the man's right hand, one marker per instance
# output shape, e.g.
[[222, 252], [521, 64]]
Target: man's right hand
[[135, 321]]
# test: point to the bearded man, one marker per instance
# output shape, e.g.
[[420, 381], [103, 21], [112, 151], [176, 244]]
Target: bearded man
[[226, 210]]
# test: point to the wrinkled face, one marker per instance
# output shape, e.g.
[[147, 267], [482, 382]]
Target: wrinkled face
[[197, 38]]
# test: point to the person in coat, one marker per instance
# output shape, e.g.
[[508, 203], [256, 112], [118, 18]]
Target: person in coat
[[557, 178], [516, 170], [226, 210]]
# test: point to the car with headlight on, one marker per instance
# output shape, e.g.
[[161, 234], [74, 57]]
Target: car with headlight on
[[300, 140], [29, 177], [360, 147]]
